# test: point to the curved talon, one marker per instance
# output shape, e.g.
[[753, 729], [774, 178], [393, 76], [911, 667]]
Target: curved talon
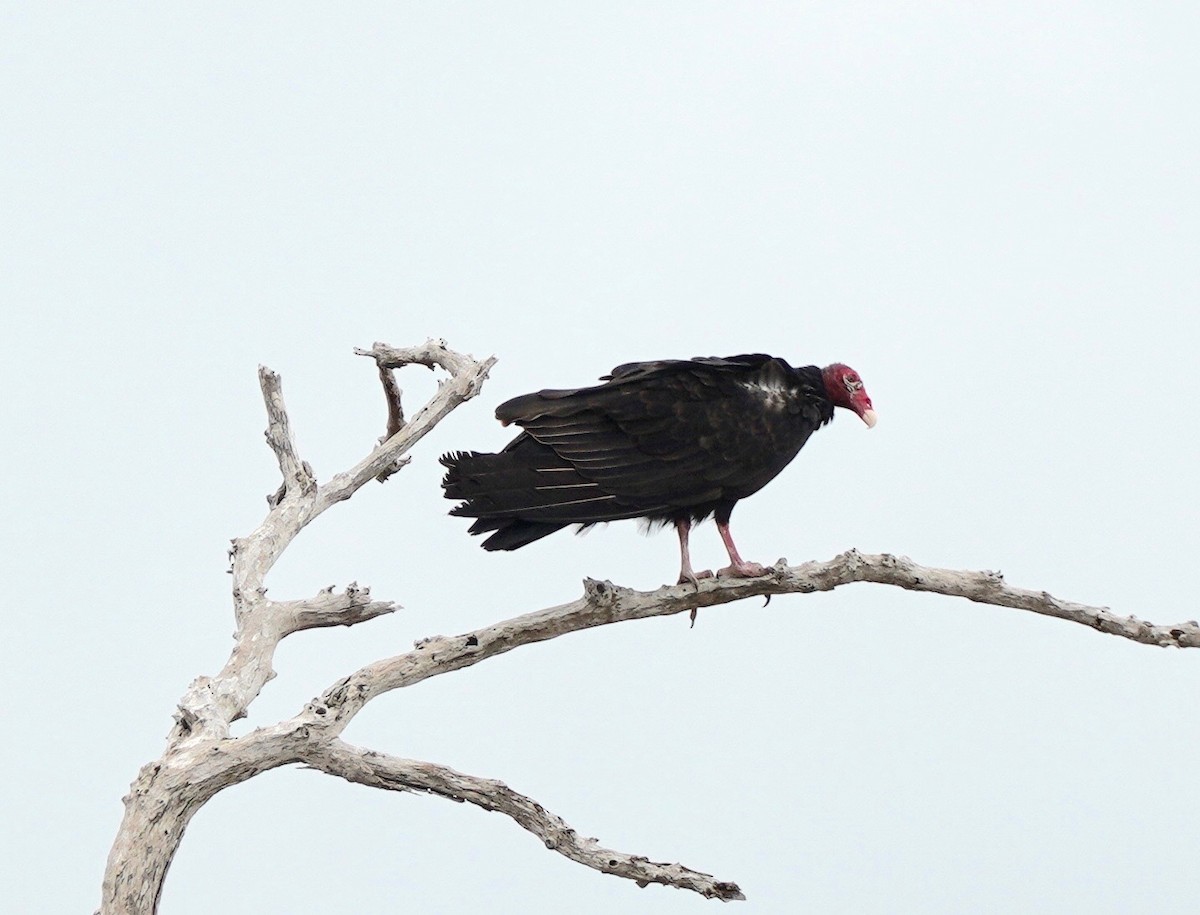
[[693, 578]]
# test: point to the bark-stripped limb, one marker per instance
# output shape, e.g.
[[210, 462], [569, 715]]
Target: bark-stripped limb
[[211, 704], [296, 473], [392, 394], [432, 353], [379, 770], [604, 603], [331, 608], [466, 380], [325, 718], [982, 588], [201, 758], [261, 622]]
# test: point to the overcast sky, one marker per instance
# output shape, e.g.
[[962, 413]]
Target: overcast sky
[[989, 209]]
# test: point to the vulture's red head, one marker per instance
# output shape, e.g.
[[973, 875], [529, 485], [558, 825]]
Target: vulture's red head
[[845, 389]]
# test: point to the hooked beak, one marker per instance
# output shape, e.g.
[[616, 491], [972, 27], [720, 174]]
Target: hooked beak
[[868, 417]]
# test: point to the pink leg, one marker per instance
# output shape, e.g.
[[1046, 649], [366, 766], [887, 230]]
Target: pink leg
[[683, 528], [738, 567]]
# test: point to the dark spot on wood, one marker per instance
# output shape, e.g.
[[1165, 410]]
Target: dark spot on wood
[[472, 641]]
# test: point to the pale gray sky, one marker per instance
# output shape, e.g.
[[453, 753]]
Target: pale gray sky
[[990, 210]]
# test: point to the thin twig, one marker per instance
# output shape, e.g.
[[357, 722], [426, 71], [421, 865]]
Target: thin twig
[[392, 394]]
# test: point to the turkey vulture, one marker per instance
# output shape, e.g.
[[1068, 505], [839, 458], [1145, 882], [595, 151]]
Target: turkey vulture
[[672, 441]]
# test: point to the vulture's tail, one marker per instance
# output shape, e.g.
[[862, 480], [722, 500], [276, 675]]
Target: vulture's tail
[[519, 493]]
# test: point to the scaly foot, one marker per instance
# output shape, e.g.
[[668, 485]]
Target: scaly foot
[[743, 570]]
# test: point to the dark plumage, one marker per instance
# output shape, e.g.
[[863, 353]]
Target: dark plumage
[[672, 442]]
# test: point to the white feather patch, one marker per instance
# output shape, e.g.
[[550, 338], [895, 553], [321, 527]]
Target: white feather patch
[[771, 391]]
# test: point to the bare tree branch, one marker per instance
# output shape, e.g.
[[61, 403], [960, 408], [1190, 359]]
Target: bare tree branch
[[295, 472], [354, 605], [214, 703], [395, 419], [466, 380], [432, 354], [392, 773], [604, 603], [168, 792]]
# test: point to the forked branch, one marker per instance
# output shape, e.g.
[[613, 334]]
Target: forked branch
[[167, 792]]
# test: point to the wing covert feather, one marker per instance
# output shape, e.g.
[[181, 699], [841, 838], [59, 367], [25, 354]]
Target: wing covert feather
[[680, 431]]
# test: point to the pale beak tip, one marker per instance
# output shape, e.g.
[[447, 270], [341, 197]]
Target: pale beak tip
[[868, 417]]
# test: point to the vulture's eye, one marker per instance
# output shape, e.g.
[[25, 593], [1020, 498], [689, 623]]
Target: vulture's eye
[[852, 384]]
